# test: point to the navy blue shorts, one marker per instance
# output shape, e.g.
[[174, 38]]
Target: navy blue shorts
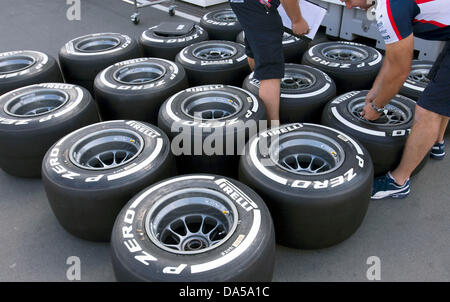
[[263, 36], [436, 96]]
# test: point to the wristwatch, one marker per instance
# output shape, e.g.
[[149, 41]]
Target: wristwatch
[[378, 110]]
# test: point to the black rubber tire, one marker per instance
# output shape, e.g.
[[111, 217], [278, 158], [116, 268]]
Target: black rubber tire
[[219, 28], [119, 98], [293, 47], [348, 75], [25, 139], [320, 37], [25, 67], [180, 123], [416, 83], [385, 143], [228, 71], [246, 253], [80, 66], [300, 104], [167, 47], [85, 201], [310, 211]]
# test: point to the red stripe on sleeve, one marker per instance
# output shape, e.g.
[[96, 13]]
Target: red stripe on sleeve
[[391, 19], [422, 1], [431, 22]]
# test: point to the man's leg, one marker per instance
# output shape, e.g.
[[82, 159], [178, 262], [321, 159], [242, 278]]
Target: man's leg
[[444, 124], [251, 63], [269, 92], [423, 135]]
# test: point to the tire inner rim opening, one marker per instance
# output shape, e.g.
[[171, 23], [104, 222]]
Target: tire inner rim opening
[[297, 80], [141, 73], [97, 44], [174, 34], [345, 53], [211, 106], [36, 103], [106, 149], [307, 153], [419, 73], [16, 64], [191, 221], [227, 16], [214, 52], [395, 113]]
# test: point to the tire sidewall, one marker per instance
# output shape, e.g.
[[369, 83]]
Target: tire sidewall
[[253, 230]]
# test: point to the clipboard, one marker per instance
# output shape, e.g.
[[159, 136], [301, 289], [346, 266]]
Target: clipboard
[[311, 12]]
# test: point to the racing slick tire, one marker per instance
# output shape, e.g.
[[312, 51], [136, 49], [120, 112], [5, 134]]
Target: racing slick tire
[[25, 67], [135, 89], [352, 66], [384, 138], [417, 80], [82, 58], [91, 173], [221, 24], [191, 228], [209, 125], [316, 182], [34, 117], [305, 91], [214, 62]]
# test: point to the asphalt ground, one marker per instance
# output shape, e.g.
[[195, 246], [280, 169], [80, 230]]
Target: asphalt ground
[[411, 237]]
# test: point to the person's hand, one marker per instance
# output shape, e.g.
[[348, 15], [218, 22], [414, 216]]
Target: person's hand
[[368, 113], [300, 27], [371, 95]]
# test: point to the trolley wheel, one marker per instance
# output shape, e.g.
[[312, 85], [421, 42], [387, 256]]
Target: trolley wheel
[[172, 10], [135, 18]]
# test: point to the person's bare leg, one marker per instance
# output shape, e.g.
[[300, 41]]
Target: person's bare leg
[[269, 92], [251, 63], [423, 136], [444, 124]]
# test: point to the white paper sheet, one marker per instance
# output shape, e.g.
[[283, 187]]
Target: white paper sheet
[[312, 13]]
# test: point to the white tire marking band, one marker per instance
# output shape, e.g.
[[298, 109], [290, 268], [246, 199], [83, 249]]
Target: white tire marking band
[[413, 87], [353, 126], [199, 268], [177, 179], [148, 161], [69, 108], [154, 40], [260, 167], [306, 95], [183, 57], [241, 58], [169, 107], [310, 51], [103, 78], [255, 100], [377, 60], [352, 141]]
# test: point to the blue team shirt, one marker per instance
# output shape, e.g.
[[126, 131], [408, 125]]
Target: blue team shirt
[[427, 19]]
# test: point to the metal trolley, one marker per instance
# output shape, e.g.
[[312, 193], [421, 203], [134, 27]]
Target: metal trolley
[[135, 17]]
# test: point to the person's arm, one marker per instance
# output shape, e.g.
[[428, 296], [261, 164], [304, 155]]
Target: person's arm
[[299, 25], [395, 69]]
